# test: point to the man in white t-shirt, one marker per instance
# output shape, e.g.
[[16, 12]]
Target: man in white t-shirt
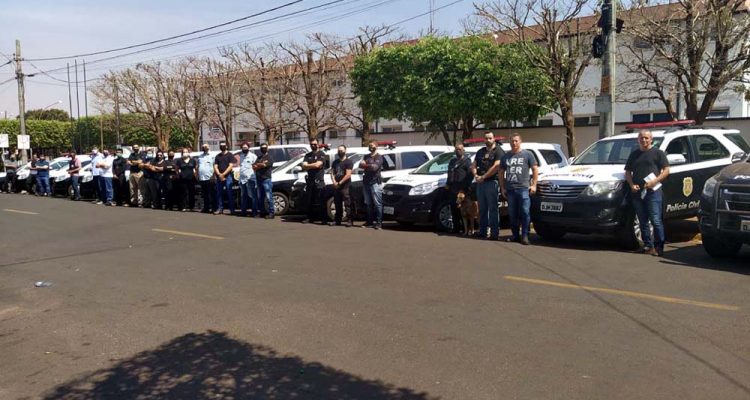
[[96, 172], [105, 168]]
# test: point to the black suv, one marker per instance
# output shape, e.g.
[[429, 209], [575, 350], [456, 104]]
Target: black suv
[[724, 215]]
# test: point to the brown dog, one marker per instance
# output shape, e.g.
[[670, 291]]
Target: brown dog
[[469, 212]]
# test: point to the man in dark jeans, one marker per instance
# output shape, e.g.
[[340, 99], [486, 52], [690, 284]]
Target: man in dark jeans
[[646, 168], [74, 169], [518, 176], [223, 165], [263, 170], [341, 173], [204, 170], [168, 181], [314, 163], [485, 166], [119, 183], [459, 180], [372, 187]]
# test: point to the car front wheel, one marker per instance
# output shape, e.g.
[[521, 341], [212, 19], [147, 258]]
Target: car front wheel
[[442, 217], [280, 203], [719, 247]]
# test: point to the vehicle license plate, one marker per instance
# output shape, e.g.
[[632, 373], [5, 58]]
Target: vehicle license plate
[[745, 226], [388, 210], [551, 207]]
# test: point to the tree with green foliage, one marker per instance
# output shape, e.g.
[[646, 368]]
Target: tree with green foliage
[[49, 135], [53, 114], [456, 84]]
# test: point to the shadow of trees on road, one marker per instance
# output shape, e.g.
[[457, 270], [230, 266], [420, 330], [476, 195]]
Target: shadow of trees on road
[[212, 365]]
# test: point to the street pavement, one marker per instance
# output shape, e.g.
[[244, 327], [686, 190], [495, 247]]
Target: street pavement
[[165, 305]]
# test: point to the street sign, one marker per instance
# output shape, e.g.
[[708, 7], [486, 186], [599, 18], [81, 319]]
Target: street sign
[[4, 141], [603, 104], [24, 142]]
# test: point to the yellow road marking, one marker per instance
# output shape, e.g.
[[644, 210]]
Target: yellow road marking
[[624, 293], [188, 234], [20, 211]]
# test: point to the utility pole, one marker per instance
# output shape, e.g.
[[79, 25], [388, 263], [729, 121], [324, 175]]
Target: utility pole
[[117, 111], [78, 99], [85, 91], [21, 95], [606, 99]]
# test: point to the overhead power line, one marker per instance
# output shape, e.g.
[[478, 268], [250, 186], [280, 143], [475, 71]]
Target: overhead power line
[[171, 37]]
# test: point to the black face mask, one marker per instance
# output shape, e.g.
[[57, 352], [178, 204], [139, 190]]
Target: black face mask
[[342, 154], [205, 151], [223, 148], [372, 149], [171, 156], [245, 151], [264, 150], [314, 147], [159, 157]]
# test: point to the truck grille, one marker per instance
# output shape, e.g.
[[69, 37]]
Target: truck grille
[[555, 191], [735, 198], [392, 194]]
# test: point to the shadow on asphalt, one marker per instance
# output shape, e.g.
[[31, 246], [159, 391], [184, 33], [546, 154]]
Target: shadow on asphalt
[[695, 257], [213, 365]]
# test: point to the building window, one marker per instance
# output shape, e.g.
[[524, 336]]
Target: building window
[[545, 122], [661, 117], [332, 134], [581, 121], [594, 120], [717, 114], [391, 128], [641, 118]]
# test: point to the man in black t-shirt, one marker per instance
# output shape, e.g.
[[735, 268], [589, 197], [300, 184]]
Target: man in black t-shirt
[[372, 186], [485, 167], [136, 182], [223, 165], [341, 174], [459, 180], [314, 163], [185, 182], [263, 170], [646, 168], [119, 183]]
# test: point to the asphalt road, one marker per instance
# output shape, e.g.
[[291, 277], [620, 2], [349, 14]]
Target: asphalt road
[[152, 304]]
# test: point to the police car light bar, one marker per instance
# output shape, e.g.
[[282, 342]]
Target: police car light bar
[[391, 144], [665, 124], [481, 140]]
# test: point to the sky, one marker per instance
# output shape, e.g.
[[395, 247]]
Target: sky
[[63, 28]]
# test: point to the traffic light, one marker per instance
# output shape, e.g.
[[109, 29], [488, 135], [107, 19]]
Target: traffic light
[[597, 47]]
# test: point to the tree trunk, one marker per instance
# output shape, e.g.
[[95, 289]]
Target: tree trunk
[[570, 130], [445, 135], [365, 133], [270, 137]]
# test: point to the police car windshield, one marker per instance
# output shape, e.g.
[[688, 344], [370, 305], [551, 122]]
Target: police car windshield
[[439, 164], [288, 163], [614, 151]]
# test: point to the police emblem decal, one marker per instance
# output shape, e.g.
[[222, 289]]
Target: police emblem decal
[[687, 186]]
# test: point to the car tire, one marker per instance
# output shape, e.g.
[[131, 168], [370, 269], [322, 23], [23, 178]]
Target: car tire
[[720, 247], [547, 232], [630, 234], [69, 191], [280, 203], [442, 218]]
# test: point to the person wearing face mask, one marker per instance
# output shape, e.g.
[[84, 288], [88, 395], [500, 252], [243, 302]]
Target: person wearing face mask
[[204, 169], [248, 182], [74, 169], [42, 176], [96, 173], [136, 182], [223, 165], [167, 181], [147, 200], [485, 167], [105, 166], [185, 182], [459, 180], [314, 164], [155, 168], [119, 183], [263, 169], [341, 174], [372, 186]]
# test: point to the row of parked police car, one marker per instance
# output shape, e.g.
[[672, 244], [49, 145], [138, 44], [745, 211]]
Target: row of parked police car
[[709, 177]]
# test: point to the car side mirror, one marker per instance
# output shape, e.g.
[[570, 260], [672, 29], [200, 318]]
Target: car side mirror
[[676, 159], [737, 157]]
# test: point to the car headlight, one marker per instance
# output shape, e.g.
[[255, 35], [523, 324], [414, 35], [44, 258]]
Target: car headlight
[[61, 178], [87, 178], [708, 188], [602, 188], [423, 189]]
